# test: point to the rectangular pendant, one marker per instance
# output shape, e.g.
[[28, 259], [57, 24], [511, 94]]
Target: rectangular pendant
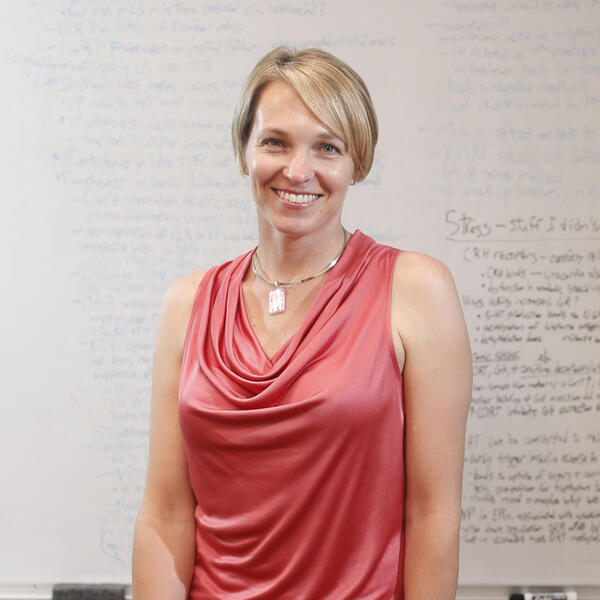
[[276, 300]]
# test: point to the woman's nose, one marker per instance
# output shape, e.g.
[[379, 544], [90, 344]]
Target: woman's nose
[[299, 168]]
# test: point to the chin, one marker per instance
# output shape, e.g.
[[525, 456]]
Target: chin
[[301, 227]]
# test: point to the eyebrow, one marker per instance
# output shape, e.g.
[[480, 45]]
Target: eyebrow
[[330, 137]]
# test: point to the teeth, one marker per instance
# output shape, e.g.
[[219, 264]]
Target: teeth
[[297, 198]]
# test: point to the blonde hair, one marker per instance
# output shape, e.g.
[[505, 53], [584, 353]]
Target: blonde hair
[[331, 90]]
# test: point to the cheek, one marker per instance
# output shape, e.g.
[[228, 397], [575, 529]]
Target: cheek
[[343, 169], [260, 168], [340, 176]]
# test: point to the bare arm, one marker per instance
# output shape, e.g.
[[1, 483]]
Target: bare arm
[[431, 339], [164, 542]]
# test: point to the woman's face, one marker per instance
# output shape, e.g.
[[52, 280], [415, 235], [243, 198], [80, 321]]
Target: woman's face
[[299, 170]]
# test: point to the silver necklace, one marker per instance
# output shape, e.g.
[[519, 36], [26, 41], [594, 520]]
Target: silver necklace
[[277, 296]]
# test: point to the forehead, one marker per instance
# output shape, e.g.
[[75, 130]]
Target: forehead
[[279, 106]]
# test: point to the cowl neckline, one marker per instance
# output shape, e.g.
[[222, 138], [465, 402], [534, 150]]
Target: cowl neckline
[[250, 379], [332, 274]]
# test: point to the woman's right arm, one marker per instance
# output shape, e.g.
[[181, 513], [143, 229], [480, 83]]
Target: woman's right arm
[[164, 541]]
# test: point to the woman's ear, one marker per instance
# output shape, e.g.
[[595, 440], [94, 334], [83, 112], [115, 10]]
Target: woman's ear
[[244, 163]]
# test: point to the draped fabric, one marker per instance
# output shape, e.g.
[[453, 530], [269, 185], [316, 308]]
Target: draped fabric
[[297, 461]]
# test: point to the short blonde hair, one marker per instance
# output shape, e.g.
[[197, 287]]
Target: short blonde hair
[[331, 90]]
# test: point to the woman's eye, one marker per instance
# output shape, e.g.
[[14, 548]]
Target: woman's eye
[[273, 143], [329, 149]]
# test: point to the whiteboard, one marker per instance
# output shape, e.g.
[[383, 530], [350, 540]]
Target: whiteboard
[[118, 178]]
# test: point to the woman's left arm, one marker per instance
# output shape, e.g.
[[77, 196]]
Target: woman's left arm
[[431, 339]]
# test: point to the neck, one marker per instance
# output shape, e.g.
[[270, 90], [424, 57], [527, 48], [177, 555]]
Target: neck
[[289, 258]]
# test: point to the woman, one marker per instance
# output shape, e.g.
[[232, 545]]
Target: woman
[[309, 397]]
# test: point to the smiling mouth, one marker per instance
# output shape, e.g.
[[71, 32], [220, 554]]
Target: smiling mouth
[[296, 198]]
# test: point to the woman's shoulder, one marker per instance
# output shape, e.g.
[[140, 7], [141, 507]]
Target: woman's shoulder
[[421, 272], [423, 286], [180, 295], [426, 309], [183, 291], [178, 301]]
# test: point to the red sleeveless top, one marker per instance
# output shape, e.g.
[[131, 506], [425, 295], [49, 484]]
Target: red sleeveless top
[[297, 461]]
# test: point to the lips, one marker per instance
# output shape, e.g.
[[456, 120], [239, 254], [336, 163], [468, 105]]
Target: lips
[[296, 198]]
